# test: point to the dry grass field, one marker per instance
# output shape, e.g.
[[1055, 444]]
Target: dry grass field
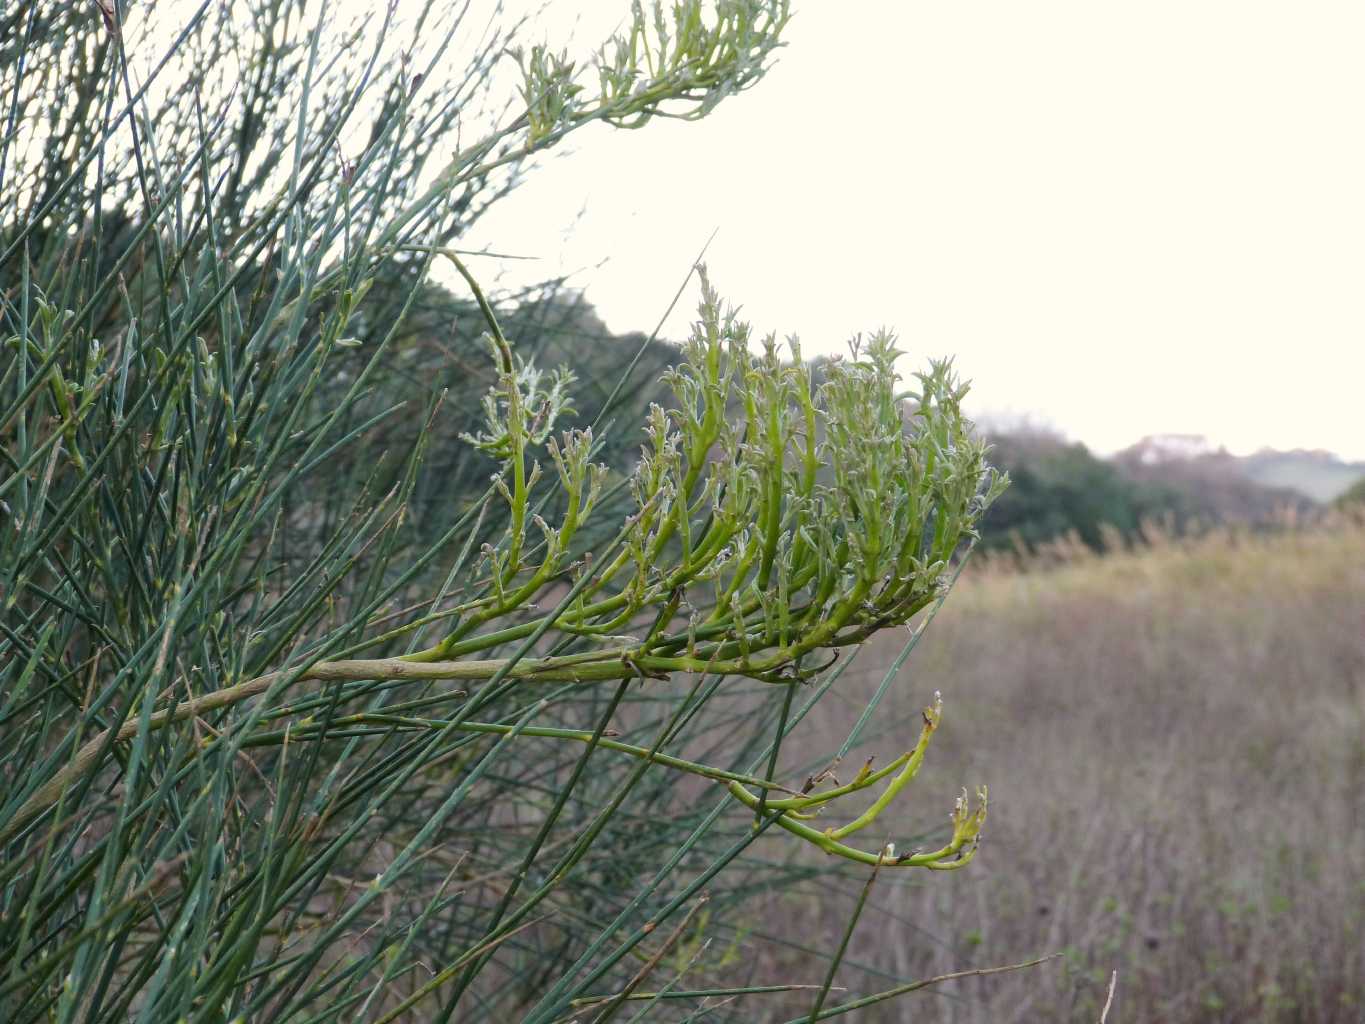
[[1175, 746]]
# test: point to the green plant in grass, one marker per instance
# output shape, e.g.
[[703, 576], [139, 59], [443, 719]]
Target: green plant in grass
[[212, 806], [791, 564]]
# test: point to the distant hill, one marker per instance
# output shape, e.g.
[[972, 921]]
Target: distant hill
[[1061, 488], [1319, 475]]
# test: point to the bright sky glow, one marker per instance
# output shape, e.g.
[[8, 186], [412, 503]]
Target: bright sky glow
[[1120, 218]]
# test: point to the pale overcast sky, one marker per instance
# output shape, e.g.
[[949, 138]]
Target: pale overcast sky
[[1121, 218]]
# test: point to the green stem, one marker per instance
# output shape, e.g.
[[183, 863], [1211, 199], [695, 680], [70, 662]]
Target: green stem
[[706, 771], [937, 860]]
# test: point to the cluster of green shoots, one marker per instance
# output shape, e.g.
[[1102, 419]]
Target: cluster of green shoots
[[803, 517], [775, 520], [660, 66]]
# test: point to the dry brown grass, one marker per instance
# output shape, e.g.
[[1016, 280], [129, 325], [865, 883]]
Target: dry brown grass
[[1175, 745]]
